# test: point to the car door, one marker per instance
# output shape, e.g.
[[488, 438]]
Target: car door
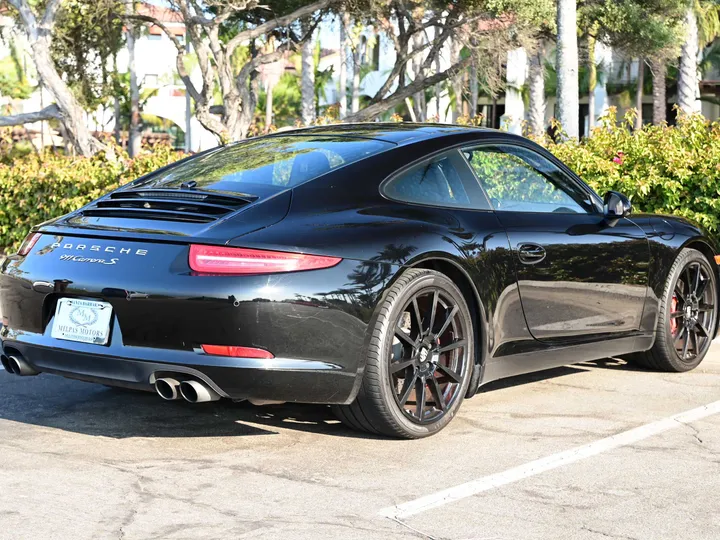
[[579, 276]]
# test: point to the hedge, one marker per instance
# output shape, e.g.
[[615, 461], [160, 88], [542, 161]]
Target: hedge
[[35, 188], [663, 169]]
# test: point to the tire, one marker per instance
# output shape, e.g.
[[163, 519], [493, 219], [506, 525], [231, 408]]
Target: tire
[[405, 353], [680, 344]]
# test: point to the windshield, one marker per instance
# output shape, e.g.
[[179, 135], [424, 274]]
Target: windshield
[[275, 162]]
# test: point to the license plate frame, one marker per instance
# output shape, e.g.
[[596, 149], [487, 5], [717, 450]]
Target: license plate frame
[[82, 321]]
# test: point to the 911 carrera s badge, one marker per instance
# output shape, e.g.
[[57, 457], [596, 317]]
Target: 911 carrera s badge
[[79, 258]]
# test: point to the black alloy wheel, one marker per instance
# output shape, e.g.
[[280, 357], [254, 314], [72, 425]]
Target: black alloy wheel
[[692, 311], [419, 361], [688, 315], [426, 359]]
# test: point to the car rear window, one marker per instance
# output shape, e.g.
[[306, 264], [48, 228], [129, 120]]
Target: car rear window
[[269, 162]]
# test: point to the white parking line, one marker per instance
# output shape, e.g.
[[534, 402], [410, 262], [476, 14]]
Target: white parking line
[[554, 461]]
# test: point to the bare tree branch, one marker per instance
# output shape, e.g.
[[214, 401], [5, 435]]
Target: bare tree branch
[[371, 111], [50, 13], [48, 113], [277, 22], [156, 22], [28, 17]]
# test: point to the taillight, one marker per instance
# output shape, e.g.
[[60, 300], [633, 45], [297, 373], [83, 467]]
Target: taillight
[[239, 352], [29, 242], [225, 260]]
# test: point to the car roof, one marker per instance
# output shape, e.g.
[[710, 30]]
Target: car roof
[[399, 133]]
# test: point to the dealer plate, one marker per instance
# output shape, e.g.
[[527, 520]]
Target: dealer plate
[[87, 321]]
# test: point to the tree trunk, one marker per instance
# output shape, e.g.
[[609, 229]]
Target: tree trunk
[[135, 137], [515, 75], [438, 90], [307, 85], [344, 20], [268, 108], [117, 128], [473, 90], [457, 80], [688, 75], [658, 68], [536, 103], [567, 67], [592, 78], [419, 97], [73, 115], [355, 104], [639, 94], [39, 38], [188, 111]]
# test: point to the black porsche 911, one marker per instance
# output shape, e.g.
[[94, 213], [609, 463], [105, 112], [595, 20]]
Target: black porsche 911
[[388, 270]]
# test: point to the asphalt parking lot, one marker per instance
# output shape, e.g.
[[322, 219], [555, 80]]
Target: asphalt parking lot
[[594, 451]]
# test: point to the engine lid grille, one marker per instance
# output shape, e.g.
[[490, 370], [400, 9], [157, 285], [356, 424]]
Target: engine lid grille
[[168, 205]]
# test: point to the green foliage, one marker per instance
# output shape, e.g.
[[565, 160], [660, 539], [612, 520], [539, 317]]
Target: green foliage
[[87, 35], [509, 180], [663, 169], [286, 101], [638, 27], [34, 188], [13, 81]]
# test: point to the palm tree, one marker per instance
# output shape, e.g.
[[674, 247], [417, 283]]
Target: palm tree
[[688, 75], [536, 86], [658, 69], [567, 67], [702, 26], [135, 136]]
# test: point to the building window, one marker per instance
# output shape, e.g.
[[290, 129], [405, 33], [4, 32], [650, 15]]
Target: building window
[[155, 37]]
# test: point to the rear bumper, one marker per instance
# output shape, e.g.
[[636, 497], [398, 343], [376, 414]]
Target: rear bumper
[[281, 379], [314, 322]]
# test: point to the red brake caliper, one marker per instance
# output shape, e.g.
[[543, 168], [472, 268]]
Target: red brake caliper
[[673, 309]]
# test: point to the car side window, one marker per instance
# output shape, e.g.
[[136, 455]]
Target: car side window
[[443, 181], [517, 179]]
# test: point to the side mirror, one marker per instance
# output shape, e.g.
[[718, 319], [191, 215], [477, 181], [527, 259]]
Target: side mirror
[[617, 206]]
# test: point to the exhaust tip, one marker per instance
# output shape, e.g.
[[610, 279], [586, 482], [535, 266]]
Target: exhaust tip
[[168, 388], [197, 392], [6, 364], [18, 366]]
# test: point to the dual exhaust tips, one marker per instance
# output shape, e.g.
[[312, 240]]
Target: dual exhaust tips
[[17, 366], [192, 391]]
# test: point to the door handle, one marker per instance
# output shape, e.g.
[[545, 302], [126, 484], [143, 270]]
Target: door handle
[[531, 253]]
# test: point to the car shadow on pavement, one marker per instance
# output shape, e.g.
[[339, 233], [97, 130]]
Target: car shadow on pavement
[[535, 376], [617, 364], [92, 409]]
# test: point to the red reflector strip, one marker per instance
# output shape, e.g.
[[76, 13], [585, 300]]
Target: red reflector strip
[[225, 260], [29, 243], [239, 352]]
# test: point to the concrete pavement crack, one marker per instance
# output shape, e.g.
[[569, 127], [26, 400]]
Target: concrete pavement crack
[[608, 535]]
